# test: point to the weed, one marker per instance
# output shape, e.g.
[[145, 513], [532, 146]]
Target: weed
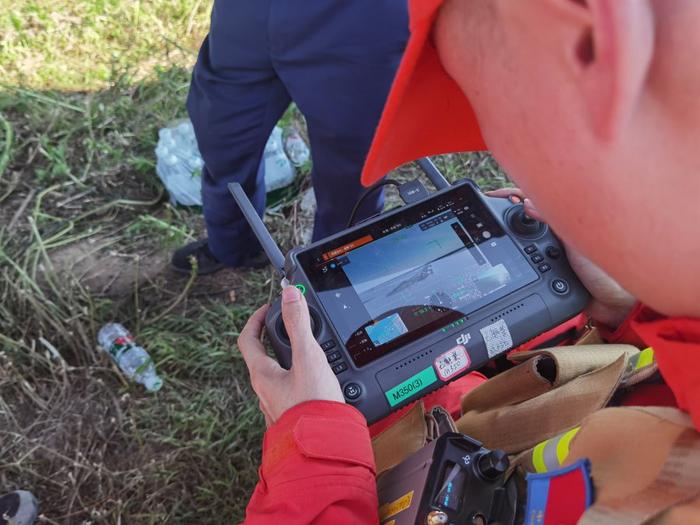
[[160, 231]]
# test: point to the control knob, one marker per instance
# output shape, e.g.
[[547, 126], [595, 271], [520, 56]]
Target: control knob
[[492, 465]]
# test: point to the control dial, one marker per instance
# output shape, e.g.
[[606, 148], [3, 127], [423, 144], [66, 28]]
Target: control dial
[[492, 465]]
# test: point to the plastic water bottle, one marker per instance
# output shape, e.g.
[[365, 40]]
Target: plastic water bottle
[[296, 148], [278, 170], [133, 360], [179, 163]]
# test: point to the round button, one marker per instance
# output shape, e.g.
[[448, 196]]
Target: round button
[[301, 288], [553, 252], [352, 391], [560, 286]]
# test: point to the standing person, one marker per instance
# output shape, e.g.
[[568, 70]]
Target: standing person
[[336, 60]]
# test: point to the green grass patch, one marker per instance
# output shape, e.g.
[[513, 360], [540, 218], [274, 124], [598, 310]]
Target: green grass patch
[[83, 44]]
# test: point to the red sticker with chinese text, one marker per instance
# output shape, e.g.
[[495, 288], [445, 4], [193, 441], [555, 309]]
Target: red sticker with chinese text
[[452, 362]]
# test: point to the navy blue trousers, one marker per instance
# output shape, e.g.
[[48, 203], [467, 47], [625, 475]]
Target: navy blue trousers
[[335, 59]]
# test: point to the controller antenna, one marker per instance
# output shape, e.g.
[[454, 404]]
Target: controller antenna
[[437, 178], [266, 241]]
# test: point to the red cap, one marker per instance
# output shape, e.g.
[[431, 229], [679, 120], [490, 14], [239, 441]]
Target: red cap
[[426, 112]]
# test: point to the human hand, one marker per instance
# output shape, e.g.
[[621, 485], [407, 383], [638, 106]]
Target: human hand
[[611, 303], [309, 378]]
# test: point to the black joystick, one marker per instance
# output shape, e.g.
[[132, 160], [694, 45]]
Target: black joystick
[[523, 224], [315, 325], [492, 465]]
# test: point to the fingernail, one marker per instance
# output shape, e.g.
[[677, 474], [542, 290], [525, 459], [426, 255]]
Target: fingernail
[[291, 294]]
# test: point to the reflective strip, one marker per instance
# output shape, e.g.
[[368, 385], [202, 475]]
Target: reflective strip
[[391, 509], [644, 358], [538, 457], [640, 360], [550, 454], [563, 445]]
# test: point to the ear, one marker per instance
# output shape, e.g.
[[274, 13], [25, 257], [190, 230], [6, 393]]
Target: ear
[[612, 56]]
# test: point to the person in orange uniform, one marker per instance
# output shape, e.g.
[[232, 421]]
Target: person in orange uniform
[[592, 108]]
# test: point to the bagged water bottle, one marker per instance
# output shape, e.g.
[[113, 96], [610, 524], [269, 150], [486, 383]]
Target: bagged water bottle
[[133, 360], [179, 163], [279, 172], [295, 148]]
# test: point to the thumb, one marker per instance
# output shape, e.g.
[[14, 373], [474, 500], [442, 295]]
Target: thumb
[[532, 210], [297, 321]]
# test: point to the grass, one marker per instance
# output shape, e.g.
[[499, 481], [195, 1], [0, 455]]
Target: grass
[[85, 232], [82, 44]]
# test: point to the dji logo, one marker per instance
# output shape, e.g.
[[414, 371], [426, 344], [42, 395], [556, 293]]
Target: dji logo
[[463, 339]]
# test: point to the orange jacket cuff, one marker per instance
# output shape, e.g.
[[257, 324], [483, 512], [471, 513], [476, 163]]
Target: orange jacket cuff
[[328, 431]]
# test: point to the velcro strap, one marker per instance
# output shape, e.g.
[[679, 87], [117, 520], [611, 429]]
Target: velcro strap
[[334, 439]]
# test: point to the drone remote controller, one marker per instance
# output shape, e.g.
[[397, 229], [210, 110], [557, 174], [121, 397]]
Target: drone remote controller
[[414, 298]]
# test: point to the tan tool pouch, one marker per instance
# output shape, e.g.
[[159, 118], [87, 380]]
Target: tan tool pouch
[[513, 410], [413, 431], [548, 392]]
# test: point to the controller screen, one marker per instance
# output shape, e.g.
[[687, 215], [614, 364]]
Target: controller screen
[[412, 273]]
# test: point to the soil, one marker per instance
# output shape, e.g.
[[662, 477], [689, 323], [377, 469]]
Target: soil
[[106, 271]]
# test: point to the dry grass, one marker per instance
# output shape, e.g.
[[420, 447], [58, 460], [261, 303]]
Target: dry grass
[[85, 234]]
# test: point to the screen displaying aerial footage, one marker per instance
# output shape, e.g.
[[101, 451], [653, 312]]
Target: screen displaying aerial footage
[[417, 266], [406, 277]]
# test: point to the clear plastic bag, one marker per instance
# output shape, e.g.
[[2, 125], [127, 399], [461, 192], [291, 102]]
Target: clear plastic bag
[[279, 172], [179, 163], [296, 149]]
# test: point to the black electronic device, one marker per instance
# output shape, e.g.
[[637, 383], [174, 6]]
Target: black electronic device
[[409, 300], [453, 480]]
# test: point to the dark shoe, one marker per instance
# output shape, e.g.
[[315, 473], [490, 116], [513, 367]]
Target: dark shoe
[[18, 508], [199, 250], [207, 262]]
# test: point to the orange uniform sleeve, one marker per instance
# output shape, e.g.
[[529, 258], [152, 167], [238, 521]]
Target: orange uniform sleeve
[[676, 344], [317, 467]]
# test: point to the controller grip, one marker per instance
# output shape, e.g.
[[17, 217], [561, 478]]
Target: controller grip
[[277, 336], [277, 333]]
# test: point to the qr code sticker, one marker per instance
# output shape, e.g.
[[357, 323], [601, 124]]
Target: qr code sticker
[[497, 338], [452, 362]]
